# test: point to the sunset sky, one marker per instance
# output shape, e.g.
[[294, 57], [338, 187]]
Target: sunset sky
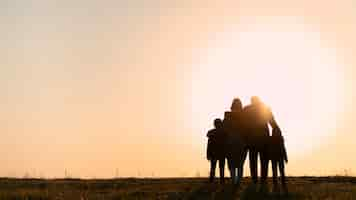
[[130, 88]]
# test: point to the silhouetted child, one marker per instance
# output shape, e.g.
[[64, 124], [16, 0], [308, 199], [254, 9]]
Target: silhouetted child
[[216, 149], [278, 155]]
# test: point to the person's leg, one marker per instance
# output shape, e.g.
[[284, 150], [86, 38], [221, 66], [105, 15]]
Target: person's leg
[[253, 164], [274, 172], [281, 171], [283, 178], [264, 166], [233, 170], [222, 169], [212, 170], [240, 169], [234, 175], [230, 166]]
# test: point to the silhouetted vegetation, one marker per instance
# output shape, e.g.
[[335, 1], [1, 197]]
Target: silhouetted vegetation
[[174, 188]]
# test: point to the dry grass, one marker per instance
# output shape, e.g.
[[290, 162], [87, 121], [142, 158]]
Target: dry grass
[[181, 188]]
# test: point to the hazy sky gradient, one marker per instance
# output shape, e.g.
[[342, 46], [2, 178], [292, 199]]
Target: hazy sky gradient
[[105, 88]]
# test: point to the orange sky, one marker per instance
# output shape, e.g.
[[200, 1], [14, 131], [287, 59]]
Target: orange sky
[[130, 88]]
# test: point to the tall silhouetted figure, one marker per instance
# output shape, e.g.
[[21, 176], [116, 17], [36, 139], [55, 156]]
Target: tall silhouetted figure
[[257, 117], [236, 146], [216, 149], [278, 155]]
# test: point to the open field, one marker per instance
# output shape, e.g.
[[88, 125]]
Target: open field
[[173, 188]]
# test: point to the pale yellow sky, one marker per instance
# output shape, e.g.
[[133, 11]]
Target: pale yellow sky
[[130, 88]]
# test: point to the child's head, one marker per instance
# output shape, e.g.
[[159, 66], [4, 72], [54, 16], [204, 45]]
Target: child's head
[[218, 123], [236, 105]]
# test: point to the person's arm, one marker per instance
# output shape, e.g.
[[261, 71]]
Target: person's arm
[[210, 135], [272, 121], [285, 153], [208, 153], [208, 146]]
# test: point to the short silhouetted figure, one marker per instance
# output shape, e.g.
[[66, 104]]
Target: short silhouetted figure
[[278, 155], [235, 145], [216, 149], [257, 116]]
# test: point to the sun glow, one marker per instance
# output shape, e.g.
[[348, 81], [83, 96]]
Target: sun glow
[[286, 65]]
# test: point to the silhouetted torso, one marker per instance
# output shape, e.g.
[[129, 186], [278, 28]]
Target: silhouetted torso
[[233, 122], [234, 126], [256, 119], [216, 144], [277, 150]]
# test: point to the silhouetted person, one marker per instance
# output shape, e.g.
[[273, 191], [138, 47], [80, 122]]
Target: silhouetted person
[[278, 155], [216, 149], [257, 117], [236, 146]]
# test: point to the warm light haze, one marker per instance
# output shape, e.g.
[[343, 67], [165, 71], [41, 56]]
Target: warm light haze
[[130, 88]]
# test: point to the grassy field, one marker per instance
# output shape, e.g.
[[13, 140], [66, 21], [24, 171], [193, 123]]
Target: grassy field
[[174, 188]]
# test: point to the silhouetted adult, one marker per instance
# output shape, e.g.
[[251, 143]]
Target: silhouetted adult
[[257, 117], [236, 146], [216, 150]]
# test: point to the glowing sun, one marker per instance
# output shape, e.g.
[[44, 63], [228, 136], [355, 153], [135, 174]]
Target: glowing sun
[[286, 65]]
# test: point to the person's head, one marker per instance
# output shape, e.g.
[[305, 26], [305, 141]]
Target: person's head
[[218, 123], [236, 105], [255, 100]]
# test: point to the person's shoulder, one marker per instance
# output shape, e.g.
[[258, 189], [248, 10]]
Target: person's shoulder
[[211, 133], [227, 114], [247, 109]]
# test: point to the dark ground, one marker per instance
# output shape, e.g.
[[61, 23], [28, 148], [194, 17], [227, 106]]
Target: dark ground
[[173, 188]]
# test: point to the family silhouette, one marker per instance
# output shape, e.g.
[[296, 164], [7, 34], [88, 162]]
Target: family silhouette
[[246, 130]]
